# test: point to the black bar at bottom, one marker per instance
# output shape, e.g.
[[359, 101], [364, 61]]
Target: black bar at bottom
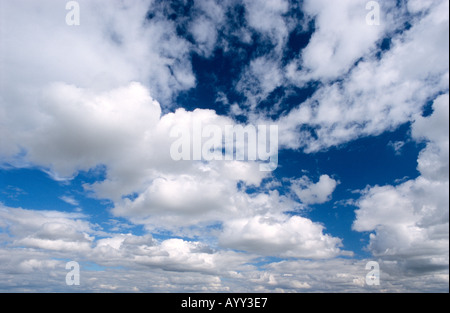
[[226, 302]]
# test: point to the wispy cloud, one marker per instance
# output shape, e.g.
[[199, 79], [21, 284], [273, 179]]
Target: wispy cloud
[[69, 200]]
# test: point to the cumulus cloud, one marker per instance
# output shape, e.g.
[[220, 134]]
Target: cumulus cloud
[[146, 259], [379, 93], [341, 37], [312, 193], [433, 160], [130, 138], [183, 201], [409, 222], [267, 18], [69, 234], [50, 230], [63, 139], [37, 38], [346, 275], [281, 236]]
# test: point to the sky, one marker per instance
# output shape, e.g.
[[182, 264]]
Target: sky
[[94, 95]]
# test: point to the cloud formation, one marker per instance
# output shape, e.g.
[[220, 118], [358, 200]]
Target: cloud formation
[[379, 93], [312, 193], [106, 94], [409, 222]]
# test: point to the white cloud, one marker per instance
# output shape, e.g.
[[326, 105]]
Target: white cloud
[[69, 116], [433, 160], [205, 34], [85, 112], [111, 48], [282, 236], [183, 200], [180, 255], [79, 129], [49, 230], [213, 9], [47, 235], [38, 48], [184, 204], [416, 6], [262, 76], [397, 146], [140, 263], [32, 265], [409, 222], [266, 17], [378, 94], [204, 27], [341, 37], [348, 275], [69, 200], [312, 193]]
